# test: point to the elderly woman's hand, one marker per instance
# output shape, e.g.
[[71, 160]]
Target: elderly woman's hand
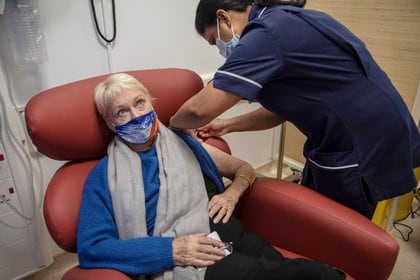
[[197, 250], [221, 207]]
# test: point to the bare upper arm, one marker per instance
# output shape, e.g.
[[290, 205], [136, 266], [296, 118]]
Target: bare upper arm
[[214, 101], [203, 107]]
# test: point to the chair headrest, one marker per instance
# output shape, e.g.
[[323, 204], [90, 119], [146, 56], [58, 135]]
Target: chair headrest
[[64, 124]]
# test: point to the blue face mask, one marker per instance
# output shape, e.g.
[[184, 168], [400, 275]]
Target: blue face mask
[[225, 49], [139, 130]]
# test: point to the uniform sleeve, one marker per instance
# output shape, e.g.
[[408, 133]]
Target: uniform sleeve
[[256, 60], [97, 238]]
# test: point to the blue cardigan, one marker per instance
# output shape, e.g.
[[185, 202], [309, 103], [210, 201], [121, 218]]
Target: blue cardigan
[[98, 244]]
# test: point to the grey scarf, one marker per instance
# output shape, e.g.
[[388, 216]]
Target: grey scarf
[[182, 204]]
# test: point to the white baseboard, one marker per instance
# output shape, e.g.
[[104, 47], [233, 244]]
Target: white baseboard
[[293, 163], [287, 161]]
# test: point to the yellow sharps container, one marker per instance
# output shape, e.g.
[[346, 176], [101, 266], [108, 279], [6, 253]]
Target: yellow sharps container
[[394, 209]]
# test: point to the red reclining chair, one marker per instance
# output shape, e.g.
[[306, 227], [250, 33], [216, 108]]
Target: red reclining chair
[[64, 125]]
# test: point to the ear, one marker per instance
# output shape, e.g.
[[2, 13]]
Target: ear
[[224, 15], [109, 124]]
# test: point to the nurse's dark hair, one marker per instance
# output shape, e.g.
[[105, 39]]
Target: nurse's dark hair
[[205, 14]]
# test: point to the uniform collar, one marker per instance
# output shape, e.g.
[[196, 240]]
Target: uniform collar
[[256, 12]]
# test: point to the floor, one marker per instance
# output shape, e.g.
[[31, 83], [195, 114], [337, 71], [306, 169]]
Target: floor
[[408, 262], [407, 266]]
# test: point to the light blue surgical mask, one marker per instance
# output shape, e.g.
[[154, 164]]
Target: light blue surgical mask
[[225, 49], [139, 130]]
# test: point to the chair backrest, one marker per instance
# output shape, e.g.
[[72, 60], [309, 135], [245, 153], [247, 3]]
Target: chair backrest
[[64, 125]]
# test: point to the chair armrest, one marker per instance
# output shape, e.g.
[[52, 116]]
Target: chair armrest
[[62, 202], [219, 143], [77, 273], [303, 221]]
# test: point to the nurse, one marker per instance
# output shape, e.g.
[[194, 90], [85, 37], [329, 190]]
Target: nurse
[[305, 67]]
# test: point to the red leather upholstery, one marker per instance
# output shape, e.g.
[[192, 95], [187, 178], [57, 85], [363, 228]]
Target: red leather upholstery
[[77, 273], [301, 220], [64, 125], [62, 202], [72, 129]]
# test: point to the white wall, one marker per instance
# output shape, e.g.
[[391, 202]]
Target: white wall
[[150, 34]]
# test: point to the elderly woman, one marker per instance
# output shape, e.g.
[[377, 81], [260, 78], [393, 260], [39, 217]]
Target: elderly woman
[[145, 208]]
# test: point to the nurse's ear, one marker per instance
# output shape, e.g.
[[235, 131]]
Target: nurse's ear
[[223, 15]]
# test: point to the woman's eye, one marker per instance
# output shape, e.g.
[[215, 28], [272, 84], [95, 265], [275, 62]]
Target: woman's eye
[[121, 113], [140, 103]]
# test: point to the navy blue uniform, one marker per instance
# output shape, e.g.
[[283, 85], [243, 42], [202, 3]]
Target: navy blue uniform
[[306, 67]]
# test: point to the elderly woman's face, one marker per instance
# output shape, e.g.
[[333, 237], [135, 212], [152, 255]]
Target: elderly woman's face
[[129, 105]]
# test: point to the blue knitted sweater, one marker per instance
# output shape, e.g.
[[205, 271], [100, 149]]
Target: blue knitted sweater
[[98, 244]]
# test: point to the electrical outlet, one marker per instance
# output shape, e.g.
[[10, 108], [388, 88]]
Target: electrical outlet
[[7, 192], [12, 227], [4, 165], [4, 198]]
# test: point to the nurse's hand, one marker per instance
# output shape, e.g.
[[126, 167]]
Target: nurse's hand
[[217, 127], [196, 250], [191, 132]]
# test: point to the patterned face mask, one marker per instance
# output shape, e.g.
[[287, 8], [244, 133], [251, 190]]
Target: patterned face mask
[[139, 130]]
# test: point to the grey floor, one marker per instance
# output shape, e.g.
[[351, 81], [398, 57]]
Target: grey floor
[[407, 266], [408, 262]]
